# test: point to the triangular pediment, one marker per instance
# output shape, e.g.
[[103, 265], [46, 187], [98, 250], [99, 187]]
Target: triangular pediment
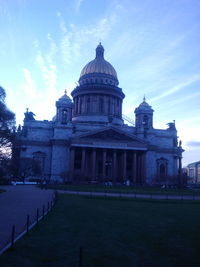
[[109, 136]]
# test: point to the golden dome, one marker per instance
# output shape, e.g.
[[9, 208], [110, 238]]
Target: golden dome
[[99, 66]]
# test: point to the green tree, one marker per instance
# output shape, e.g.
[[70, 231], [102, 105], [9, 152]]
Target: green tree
[[7, 124]]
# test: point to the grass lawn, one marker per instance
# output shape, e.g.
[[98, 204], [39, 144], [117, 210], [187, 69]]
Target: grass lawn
[[113, 232], [125, 189]]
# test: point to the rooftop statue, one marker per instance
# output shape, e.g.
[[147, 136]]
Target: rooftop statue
[[29, 115]]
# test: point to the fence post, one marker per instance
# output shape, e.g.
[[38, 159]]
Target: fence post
[[27, 223], [80, 256], [13, 236], [43, 211], [37, 215]]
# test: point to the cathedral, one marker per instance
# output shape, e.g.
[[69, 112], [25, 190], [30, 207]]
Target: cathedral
[[88, 140]]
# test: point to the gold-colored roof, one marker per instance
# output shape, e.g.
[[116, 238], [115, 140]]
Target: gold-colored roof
[[99, 65]]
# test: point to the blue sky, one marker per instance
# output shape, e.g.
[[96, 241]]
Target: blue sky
[[154, 46]]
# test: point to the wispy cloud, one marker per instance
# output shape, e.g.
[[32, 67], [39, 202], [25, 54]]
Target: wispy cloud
[[73, 37], [4, 10], [185, 98], [78, 4], [52, 50], [46, 65], [29, 86], [65, 42], [178, 87], [48, 72], [193, 143]]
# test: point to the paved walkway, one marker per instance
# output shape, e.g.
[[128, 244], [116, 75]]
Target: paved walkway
[[15, 204], [133, 195]]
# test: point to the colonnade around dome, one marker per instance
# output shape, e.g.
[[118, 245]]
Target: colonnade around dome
[[97, 104]]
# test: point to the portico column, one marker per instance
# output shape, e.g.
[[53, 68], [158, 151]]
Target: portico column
[[144, 167], [84, 104], [138, 168], [72, 156], [124, 165], [83, 163], [120, 108], [141, 167], [93, 163], [114, 165], [134, 166], [74, 110], [79, 104], [104, 164]]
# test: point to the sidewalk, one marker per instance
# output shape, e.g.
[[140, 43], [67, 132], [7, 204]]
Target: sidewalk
[[15, 204]]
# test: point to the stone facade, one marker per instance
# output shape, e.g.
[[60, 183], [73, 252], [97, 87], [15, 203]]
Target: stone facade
[[87, 140], [193, 172]]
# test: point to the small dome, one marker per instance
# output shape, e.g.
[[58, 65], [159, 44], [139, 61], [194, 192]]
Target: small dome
[[144, 105], [99, 67], [64, 100]]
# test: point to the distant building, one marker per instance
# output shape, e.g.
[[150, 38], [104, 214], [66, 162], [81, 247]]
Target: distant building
[[193, 172], [87, 140]]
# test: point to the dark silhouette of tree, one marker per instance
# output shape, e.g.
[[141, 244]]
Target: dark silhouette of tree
[[7, 124]]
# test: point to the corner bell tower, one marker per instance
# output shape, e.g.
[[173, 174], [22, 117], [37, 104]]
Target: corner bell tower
[[64, 109], [143, 117]]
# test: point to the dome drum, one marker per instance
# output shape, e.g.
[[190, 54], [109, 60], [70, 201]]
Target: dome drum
[[97, 89], [91, 104]]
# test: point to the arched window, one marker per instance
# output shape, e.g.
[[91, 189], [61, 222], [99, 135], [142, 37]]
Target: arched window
[[162, 169], [145, 120], [64, 116], [162, 165]]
